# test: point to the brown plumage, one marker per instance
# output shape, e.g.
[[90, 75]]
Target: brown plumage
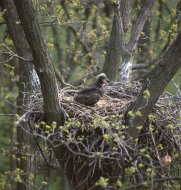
[[91, 94]]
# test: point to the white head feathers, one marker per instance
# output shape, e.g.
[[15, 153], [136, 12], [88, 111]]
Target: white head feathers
[[101, 75]]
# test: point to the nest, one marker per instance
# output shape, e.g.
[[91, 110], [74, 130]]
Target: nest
[[115, 101], [97, 135]]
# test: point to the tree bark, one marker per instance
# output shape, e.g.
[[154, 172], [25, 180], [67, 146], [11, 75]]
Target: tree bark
[[144, 50], [145, 11], [28, 83], [155, 84], [22, 48], [115, 48], [125, 13], [130, 48], [144, 44], [42, 61]]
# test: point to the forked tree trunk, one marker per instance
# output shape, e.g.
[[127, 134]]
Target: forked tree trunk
[[117, 51]]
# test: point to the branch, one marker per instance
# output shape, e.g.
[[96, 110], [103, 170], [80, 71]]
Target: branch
[[13, 55], [160, 17], [39, 147], [145, 11], [140, 66]]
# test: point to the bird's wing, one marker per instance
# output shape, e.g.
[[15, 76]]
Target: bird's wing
[[88, 90]]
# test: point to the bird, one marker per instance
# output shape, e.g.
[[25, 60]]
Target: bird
[[90, 95]]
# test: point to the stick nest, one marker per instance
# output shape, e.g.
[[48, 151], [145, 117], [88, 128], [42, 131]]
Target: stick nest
[[97, 137]]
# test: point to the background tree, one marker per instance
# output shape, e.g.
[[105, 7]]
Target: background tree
[[28, 84]]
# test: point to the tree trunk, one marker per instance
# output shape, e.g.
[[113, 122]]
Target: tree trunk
[[22, 48], [115, 48], [28, 83], [125, 13], [154, 85], [130, 48], [144, 44], [42, 61]]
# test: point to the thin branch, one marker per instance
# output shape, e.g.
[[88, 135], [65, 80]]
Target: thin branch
[[157, 29], [11, 53], [13, 56], [38, 145]]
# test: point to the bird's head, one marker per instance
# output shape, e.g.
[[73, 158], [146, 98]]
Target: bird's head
[[101, 80]]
